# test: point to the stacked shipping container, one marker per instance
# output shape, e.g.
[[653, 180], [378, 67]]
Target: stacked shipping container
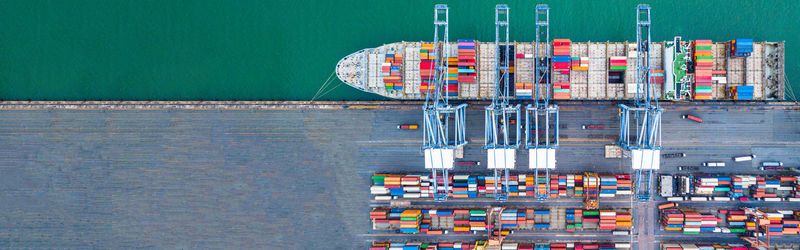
[[742, 92], [741, 47], [715, 246], [506, 246], [561, 65], [468, 221], [466, 61], [580, 63], [427, 58], [704, 63], [410, 186], [391, 71]]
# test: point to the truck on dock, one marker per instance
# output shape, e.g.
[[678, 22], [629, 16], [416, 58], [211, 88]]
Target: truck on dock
[[744, 158], [693, 118], [713, 164], [408, 126]]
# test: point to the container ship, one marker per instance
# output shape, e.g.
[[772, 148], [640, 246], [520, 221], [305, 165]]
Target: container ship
[[768, 188], [739, 69]]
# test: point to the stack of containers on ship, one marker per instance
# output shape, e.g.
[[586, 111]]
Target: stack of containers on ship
[[426, 68], [580, 63], [524, 90], [657, 76], [391, 71], [466, 61], [561, 65], [451, 89], [502, 61], [741, 47], [704, 62], [616, 69]]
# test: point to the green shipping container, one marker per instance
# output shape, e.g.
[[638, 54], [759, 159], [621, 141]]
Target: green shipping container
[[591, 212], [617, 67], [703, 87], [684, 232], [702, 48], [578, 225], [378, 179], [722, 189], [705, 57], [408, 218], [477, 212]]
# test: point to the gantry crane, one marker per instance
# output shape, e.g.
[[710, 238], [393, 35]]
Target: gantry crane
[[439, 144], [645, 115], [540, 140], [761, 223], [501, 144]]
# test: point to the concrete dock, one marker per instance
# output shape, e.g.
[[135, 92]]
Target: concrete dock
[[293, 177]]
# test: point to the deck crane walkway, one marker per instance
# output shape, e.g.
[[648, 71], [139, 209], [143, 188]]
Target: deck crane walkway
[[438, 146], [542, 115], [501, 144], [645, 117]]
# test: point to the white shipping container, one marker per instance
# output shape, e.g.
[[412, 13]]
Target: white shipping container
[[607, 195], [772, 199], [675, 199], [383, 197], [722, 198], [696, 198], [378, 190], [411, 195]]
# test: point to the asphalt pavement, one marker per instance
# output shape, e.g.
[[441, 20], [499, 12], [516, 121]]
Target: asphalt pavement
[[288, 179]]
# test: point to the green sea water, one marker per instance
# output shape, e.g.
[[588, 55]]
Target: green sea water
[[285, 50]]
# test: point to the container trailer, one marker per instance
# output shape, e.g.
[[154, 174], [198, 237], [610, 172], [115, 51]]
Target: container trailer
[[693, 118], [713, 164], [771, 164], [744, 158], [408, 126]]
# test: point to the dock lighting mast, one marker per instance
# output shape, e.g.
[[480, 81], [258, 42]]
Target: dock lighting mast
[[502, 137], [645, 117], [540, 116], [438, 146]]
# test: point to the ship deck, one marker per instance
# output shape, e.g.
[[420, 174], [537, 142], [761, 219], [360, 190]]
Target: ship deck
[[764, 70], [296, 177]]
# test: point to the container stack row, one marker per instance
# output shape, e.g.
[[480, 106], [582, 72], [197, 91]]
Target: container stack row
[[688, 221], [778, 222], [704, 63], [707, 185], [741, 187], [427, 69], [561, 66], [657, 76], [390, 70], [523, 87], [580, 63], [613, 185], [411, 186], [616, 69], [741, 47], [506, 246], [473, 220], [467, 53], [451, 88], [742, 92], [686, 246]]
